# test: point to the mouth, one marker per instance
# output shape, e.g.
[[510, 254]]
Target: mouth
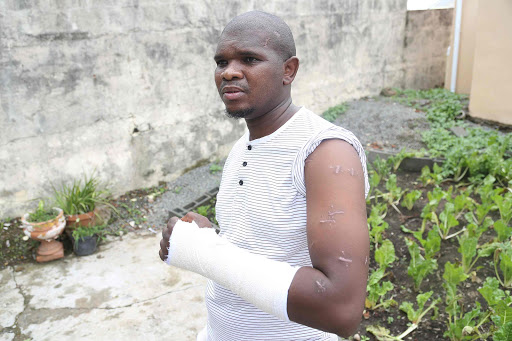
[[231, 93]]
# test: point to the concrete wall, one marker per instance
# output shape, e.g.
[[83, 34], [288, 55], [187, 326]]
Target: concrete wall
[[426, 40], [126, 86], [492, 68]]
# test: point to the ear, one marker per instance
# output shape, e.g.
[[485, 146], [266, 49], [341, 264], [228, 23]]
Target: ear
[[291, 66]]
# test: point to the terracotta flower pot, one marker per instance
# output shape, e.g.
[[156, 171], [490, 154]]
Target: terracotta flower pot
[[46, 232], [85, 219]]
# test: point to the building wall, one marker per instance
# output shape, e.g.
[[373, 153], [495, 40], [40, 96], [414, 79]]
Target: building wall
[[426, 41], [125, 87], [492, 69], [466, 48]]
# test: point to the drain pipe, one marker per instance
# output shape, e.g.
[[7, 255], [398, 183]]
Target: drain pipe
[[456, 43]]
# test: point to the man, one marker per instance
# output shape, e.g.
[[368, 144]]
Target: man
[[291, 260]]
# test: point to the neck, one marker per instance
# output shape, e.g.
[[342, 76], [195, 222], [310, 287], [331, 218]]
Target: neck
[[268, 123]]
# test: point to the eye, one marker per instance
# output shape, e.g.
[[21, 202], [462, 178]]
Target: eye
[[250, 59], [221, 63]]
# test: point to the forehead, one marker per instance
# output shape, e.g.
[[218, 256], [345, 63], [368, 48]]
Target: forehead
[[234, 41]]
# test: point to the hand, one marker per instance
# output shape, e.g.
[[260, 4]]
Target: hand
[[167, 231]]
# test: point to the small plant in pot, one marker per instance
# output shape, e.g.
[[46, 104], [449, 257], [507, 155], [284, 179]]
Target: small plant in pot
[[45, 224], [86, 238], [80, 199]]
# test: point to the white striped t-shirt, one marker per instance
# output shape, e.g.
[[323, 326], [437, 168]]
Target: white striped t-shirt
[[261, 207]]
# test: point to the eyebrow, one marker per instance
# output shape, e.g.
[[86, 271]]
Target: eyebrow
[[241, 53]]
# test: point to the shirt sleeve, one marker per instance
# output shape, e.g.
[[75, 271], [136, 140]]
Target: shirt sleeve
[[333, 132]]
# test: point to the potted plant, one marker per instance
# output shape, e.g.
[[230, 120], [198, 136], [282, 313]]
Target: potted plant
[[45, 225], [86, 238], [80, 200]]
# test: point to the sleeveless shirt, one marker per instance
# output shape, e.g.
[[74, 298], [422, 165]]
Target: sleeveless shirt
[[261, 207]]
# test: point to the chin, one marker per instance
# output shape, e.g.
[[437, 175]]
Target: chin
[[240, 113]]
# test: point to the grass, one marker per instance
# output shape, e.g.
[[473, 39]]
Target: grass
[[334, 112], [82, 196]]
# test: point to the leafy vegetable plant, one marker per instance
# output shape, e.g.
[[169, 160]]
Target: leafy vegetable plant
[[410, 198], [503, 258], [419, 267]]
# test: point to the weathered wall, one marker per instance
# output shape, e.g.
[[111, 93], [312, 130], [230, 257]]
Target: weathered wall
[[427, 37], [126, 86]]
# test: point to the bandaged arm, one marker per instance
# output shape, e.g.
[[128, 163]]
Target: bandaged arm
[[258, 280]]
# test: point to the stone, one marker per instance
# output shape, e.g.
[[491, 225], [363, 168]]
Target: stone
[[12, 300], [459, 131]]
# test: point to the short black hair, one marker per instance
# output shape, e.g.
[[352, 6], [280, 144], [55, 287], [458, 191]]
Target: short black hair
[[281, 37]]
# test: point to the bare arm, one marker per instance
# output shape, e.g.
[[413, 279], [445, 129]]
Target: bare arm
[[330, 295]]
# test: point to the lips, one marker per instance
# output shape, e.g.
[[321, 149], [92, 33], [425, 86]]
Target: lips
[[232, 93]]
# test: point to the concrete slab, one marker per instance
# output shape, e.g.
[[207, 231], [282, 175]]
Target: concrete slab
[[6, 337], [11, 302], [123, 291]]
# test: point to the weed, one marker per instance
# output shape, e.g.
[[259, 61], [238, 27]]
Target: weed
[[215, 168], [42, 213], [334, 112]]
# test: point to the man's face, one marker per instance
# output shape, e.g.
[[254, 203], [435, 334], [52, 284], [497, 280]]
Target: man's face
[[249, 74]]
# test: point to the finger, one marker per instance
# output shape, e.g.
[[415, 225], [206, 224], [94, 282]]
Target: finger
[[188, 217], [164, 245], [161, 255], [166, 233]]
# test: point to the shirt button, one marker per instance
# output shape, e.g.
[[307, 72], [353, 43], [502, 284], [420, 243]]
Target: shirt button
[[249, 147], [244, 164], [241, 182]]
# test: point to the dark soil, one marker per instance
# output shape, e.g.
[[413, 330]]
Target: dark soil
[[393, 318]]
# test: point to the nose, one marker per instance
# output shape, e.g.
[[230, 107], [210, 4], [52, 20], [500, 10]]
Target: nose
[[232, 71]]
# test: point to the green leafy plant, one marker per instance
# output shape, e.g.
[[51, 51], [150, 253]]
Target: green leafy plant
[[81, 196], [42, 213], [393, 194], [504, 204], [448, 220], [203, 210], [385, 254], [503, 230], [334, 112], [468, 250], [215, 168], [500, 309], [466, 325], [377, 290], [415, 315], [376, 223], [460, 325], [79, 233], [410, 198], [419, 267], [503, 258], [381, 167]]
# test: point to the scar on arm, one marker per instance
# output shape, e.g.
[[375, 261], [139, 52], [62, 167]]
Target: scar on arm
[[331, 214], [345, 259], [337, 169], [320, 286]]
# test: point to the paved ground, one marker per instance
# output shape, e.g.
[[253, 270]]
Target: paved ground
[[121, 292]]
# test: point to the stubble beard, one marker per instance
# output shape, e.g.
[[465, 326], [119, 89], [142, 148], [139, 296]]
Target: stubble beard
[[238, 114]]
